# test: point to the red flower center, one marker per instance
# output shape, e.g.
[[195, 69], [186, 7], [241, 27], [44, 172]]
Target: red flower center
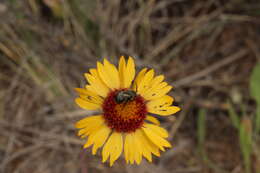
[[123, 112]]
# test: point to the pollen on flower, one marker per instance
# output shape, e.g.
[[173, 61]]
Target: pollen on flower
[[126, 116]]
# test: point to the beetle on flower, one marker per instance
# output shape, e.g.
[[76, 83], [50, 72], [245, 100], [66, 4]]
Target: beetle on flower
[[125, 101]]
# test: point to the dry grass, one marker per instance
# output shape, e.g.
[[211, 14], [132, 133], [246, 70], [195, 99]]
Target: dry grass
[[206, 49]]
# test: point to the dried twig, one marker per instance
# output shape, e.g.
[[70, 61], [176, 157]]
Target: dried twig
[[47, 135], [211, 69]]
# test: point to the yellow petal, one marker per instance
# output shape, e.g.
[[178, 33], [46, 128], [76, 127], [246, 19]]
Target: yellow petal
[[89, 96], [139, 78], [96, 83], [129, 150], [89, 142], [89, 120], [154, 88], [92, 89], [100, 137], [113, 147], [129, 72], [156, 139], [126, 149], [164, 111], [159, 103], [137, 148], [148, 144], [86, 104], [89, 129], [157, 91], [145, 81], [89, 125], [122, 71], [118, 148], [154, 84], [143, 145], [109, 74], [158, 130], [156, 80], [126, 72], [94, 137], [146, 153], [152, 119]]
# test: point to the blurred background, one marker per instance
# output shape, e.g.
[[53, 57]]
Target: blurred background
[[209, 50]]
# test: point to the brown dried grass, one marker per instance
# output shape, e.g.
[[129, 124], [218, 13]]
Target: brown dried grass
[[206, 49]]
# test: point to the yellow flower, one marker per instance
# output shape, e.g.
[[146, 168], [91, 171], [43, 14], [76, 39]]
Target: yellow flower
[[125, 102]]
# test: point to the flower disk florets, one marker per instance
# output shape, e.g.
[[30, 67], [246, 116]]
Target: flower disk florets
[[126, 116]]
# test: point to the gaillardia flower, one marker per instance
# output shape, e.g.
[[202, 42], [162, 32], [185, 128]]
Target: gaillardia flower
[[125, 101]]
